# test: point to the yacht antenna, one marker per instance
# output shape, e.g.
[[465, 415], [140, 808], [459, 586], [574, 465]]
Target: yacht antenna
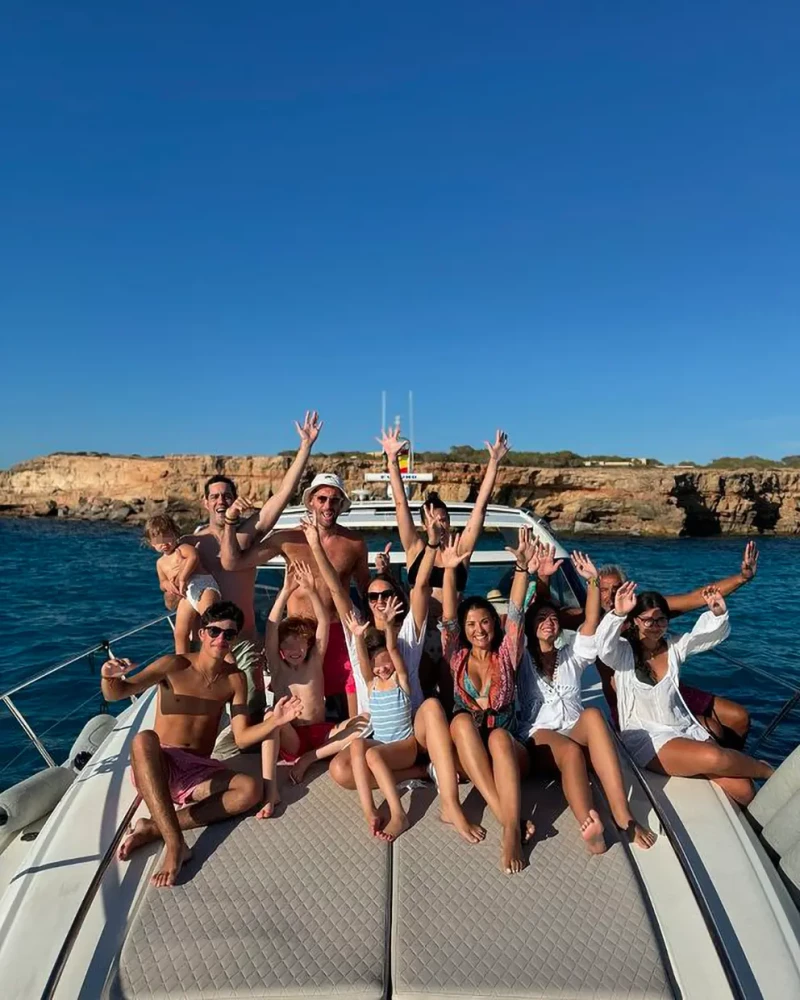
[[383, 412], [410, 431]]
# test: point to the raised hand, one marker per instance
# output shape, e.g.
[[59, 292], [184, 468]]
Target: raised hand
[[391, 442], [383, 564], [392, 610], [241, 507], [435, 530], [625, 600], [548, 564], [354, 626], [287, 709], [750, 561], [583, 565], [303, 576], [290, 583], [714, 600], [500, 448], [308, 525], [116, 668], [310, 428], [524, 550], [450, 554]]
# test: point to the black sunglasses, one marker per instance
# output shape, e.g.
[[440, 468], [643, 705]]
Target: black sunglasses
[[226, 633], [373, 596]]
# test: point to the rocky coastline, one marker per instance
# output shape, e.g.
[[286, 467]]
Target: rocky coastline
[[660, 501]]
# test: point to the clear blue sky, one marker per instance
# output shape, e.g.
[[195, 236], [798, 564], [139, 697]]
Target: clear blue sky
[[578, 221]]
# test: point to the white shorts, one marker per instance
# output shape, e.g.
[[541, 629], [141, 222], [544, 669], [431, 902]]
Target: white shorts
[[197, 586]]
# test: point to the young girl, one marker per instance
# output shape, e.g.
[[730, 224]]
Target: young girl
[[430, 723], [183, 579], [656, 726], [552, 720], [484, 662], [295, 649], [392, 745]]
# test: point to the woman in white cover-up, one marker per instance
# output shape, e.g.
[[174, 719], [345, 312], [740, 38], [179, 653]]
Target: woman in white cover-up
[[656, 726]]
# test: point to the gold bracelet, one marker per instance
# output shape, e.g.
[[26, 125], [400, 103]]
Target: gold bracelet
[[594, 581]]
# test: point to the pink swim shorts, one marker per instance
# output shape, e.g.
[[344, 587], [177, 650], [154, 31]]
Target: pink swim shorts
[[185, 771], [337, 670]]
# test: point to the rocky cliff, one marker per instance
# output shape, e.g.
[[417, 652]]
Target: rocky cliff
[[646, 501]]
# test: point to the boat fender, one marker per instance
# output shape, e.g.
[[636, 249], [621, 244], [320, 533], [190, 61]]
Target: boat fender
[[33, 798], [89, 740], [783, 830], [776, 792]]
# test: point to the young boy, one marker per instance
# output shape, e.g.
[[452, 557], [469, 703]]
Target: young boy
[[171, 763], [182, 577], [295, 650]]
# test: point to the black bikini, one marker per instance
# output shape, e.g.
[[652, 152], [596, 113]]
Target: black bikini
[[437, 574]]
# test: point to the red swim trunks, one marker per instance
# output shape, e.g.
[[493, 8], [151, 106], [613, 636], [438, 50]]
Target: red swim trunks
[[337, 670], [698, 702], [311, 736], [185, 771]]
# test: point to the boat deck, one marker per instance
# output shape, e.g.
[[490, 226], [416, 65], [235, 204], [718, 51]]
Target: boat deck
[[307, 904]]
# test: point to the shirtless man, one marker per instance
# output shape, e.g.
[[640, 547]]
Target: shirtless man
[[237, 582], [171, 764], [724, 718], [347, 551], [295, 649]]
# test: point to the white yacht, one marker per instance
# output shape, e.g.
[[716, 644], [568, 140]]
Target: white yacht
[[307, 905]]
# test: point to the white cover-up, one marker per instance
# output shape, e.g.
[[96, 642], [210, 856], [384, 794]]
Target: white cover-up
[[555, 705], [198, 585], [410, 644], [652, 715]]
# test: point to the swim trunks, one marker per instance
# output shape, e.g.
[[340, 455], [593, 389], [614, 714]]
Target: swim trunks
[[311, 736], [337, 670], [196, 587], [185, 771], [698, 702]]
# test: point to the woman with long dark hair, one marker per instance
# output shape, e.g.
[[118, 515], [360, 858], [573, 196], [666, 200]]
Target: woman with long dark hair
[[559, 731], [656, 725]]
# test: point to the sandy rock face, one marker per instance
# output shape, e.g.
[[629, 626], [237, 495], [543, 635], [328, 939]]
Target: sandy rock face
[[645, 501]]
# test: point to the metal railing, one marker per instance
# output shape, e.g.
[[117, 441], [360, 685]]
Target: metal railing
[[104, 645]]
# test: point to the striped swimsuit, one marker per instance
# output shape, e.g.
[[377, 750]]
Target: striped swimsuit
[[390, 713]]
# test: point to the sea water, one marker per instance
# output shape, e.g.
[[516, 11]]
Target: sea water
[[70, 585]]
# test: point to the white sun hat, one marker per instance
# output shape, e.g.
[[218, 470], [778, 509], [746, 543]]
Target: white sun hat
[[327, 479]]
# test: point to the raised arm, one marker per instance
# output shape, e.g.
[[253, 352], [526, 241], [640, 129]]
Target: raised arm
[[451, 557], [392, 446], [612, 649], [709, 630], [305, 579], [341, 597], [271, 643], [392, 611], [274, 507], [233, 555], [285, 710], [421, 591], [694, 599], [472, 532], [586, 569], [116, 684], [357, 629]]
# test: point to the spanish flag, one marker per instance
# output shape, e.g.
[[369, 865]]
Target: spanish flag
[[402, 461]]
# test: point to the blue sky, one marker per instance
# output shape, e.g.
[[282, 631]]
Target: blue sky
[[578, 221]]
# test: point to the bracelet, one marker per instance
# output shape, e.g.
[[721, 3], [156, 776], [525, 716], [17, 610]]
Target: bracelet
[[593, 581], [520, 569], [432, 545]]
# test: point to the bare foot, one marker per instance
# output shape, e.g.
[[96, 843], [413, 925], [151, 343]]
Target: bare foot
[[592, 833], [375, 825], [528, 831], [173, 860], [267, 810], [639, 835], [395, 826], [471, 832], [512, 860], [145, 832]]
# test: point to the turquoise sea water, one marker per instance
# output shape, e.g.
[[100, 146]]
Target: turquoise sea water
[[70, 585]]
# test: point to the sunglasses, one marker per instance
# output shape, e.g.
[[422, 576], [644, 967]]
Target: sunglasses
[[659, 622], [227, 633], [373, 596], [328, 501]]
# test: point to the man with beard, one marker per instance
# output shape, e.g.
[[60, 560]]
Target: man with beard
[[326, 499]]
